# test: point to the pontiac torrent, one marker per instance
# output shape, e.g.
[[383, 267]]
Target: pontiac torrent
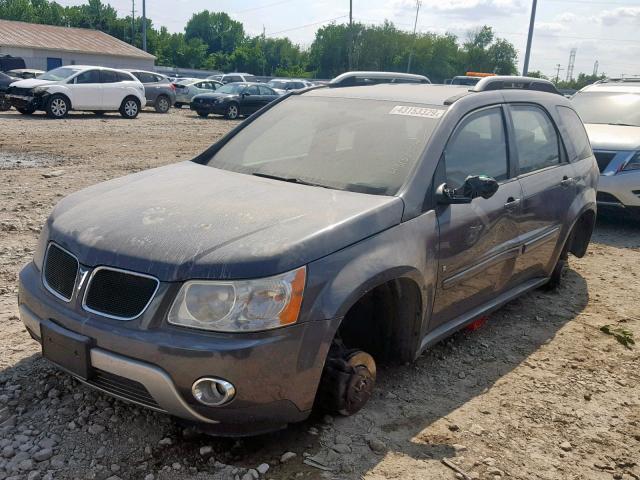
[[335, 229]]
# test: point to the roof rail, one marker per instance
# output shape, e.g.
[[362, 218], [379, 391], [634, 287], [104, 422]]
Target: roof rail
[[352, 79], [632, 79], [515, 83]]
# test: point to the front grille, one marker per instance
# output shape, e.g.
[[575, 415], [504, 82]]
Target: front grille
[[119, 294], [20, 91], [606, 197], [124, 388], [60, 272], [604, 159]]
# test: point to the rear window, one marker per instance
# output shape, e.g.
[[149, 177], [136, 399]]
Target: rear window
[[575, 132], [367, 146]]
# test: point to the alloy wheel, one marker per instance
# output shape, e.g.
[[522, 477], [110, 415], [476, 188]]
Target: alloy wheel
[[232, 112], [58, 107], [130, 108]]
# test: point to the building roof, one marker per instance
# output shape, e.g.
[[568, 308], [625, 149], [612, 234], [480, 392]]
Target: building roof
[[80, 40]]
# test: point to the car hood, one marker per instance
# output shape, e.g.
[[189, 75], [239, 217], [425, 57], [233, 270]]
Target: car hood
[[31, 83], [193, 221], [613, 137]]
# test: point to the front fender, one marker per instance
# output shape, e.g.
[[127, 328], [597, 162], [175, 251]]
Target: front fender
[[405, 251]]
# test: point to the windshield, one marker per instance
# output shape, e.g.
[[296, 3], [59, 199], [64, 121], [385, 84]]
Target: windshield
[[58, 74], [367, 146], [231, 88], [608, 107], [277, 84]]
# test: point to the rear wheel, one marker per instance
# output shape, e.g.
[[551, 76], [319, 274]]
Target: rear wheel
[[555, 280], [130, 107], [233, 111], [202, 114], [162, 104], [57, 106], [348, 380], [26, 111]]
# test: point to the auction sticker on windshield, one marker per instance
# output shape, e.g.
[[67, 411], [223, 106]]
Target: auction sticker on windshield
[[417, 111]]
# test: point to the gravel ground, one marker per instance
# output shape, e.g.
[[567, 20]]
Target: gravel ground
[[539, 392]]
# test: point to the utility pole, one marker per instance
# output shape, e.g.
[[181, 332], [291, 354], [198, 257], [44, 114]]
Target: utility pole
[[527, 54], [415, 28], [133, 21], [558, 68], [572, 61], [264, 44], [144, 25], [350, 37], [595, 68]]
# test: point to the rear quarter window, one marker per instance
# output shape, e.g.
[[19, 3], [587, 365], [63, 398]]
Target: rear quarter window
[[574, 133]]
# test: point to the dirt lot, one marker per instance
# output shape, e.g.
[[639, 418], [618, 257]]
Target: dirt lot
[[539, 392]]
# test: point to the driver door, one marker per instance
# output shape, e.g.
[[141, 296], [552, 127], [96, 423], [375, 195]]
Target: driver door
[[479, 241]]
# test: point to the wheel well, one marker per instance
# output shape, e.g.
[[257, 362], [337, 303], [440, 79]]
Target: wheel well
[[384, 322], [132, 97], [581, 233]]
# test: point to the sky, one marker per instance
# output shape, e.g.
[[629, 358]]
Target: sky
[[607, 31]]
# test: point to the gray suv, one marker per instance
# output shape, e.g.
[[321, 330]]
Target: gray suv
[[159, 90], [334, 229]]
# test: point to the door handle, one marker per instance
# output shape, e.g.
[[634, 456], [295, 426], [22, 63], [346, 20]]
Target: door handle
[[512, 203], [567, 181]]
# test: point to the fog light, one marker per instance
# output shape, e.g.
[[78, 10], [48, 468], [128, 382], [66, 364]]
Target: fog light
[[213, 392]]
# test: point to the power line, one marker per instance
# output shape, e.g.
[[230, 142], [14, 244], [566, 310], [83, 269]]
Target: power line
[[308, 25], [260, 7]]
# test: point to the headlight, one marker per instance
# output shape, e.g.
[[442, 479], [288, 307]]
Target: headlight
[[37, 90], [633, 164], [240, 306]]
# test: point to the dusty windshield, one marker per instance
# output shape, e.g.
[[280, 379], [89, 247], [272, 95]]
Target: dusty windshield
[[367, 146], [614, 108], [58, 74]]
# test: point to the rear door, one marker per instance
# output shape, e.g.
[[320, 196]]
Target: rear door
[[86, 91], [479, 241], [251, 99], [267, 95], [112, 89], [548, 184]]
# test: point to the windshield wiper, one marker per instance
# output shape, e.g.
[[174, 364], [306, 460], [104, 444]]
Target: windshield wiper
[[288, 179]]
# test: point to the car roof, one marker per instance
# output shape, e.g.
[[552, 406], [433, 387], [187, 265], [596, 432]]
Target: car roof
[[617, 87], [423, 93]]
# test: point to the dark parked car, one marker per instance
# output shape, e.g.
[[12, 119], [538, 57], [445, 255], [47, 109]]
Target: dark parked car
[[334, 229], [5, 81], [158, 89], [234, 99]]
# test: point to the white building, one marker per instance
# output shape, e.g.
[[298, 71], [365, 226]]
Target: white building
[[46, 46]]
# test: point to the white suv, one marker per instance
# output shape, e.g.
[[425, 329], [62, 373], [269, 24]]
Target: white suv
[[77, 87]]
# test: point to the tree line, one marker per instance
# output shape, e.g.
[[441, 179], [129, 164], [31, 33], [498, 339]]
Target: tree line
[[215, 41]]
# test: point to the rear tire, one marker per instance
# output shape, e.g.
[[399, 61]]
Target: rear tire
[[163, 104], [57, 106], [202, 114], [130, 108], [555, 280], [26, 111]]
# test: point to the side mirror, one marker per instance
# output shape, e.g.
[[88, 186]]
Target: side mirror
[[473, 187]]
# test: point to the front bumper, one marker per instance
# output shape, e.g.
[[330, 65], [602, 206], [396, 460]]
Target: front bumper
[[623, 190], [24, 101], [217, 108], [275, 373]]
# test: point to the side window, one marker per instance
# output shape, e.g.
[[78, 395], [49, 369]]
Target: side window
[[209, 86], [252, 90], [199, 85], [90, 76], [536, 139], [575, 132], [124, 77], [232, 78], [265, 90], [477, 147], [109, 76]]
